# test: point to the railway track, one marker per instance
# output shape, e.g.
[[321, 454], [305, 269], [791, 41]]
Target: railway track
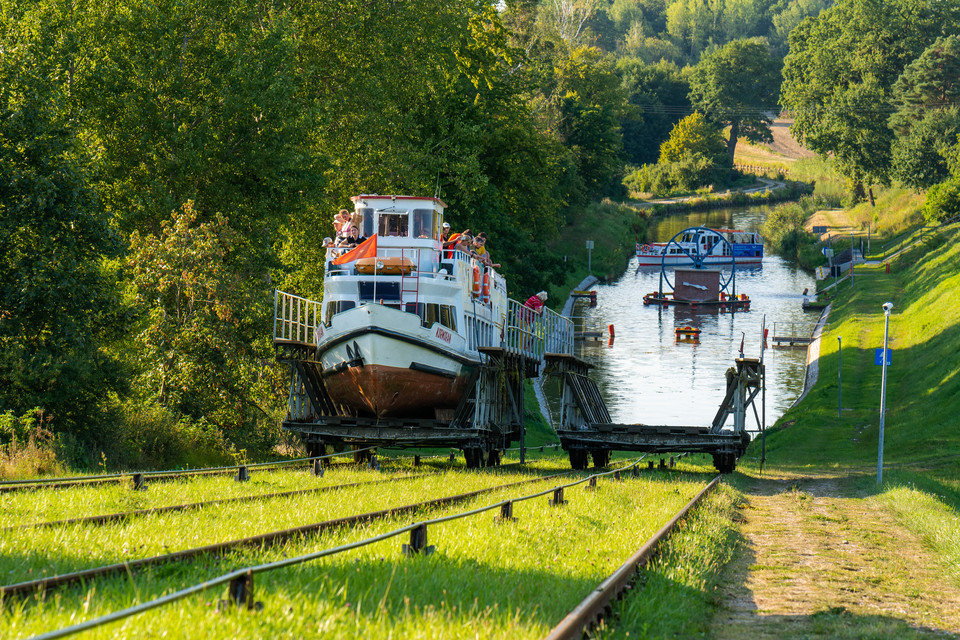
[[596, 606], [125, 515], [139, 478], [240, 582], [51, 583]]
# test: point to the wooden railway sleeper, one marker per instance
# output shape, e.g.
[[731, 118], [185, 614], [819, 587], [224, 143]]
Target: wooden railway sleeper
[[418, 542], [240, 594]]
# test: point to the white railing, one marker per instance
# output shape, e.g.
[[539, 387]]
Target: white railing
[[534, 333], [295, 319]]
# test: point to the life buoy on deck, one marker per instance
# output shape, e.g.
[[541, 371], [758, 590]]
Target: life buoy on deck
[[486, 287], [646, 248], [476, 280]]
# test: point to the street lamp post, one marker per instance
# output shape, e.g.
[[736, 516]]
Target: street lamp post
[[887, 306], [839, 377], [589, 255]]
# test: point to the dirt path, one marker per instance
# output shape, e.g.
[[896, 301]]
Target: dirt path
[[820, 562]]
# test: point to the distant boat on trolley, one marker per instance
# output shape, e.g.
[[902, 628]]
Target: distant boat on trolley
[[743, 247]]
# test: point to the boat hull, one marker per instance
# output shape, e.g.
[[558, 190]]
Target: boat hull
[[655, 260], [377, 361]]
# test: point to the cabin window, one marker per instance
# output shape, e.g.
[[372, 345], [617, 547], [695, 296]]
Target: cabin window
[[336, 306], [378, 291], [448, 317], [424, 223], [367, 224], [431, 314], [394, 224]]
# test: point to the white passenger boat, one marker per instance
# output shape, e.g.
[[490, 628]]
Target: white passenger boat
[[402, 319], [743, 247]]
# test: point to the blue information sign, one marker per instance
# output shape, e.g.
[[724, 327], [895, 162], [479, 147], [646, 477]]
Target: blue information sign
[[819, 230], [878, 357]]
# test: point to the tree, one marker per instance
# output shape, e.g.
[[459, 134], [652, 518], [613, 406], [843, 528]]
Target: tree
[[840, 70], [943, 201], [927, 119], [692, 157], [917, 157], [198, 344], [656, 100], [736, 86], [58, 308], [786, 17], [692, 22], [694, 135], [588, 99]]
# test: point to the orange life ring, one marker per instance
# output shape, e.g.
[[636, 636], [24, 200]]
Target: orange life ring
[[646, 248], [486, 286], [476, 280]]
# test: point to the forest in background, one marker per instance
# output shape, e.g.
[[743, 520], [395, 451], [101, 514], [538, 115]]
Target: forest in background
[[166, 165]]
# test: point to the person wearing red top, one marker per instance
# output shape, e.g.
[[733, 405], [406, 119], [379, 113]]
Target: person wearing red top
[[536, 301]]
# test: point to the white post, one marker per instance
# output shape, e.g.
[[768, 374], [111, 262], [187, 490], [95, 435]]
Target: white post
[[887, 306]]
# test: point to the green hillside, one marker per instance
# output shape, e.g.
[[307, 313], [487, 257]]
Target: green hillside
[[923, 386]]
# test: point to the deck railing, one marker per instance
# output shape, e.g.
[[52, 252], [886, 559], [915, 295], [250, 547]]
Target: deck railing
[[536, 333], [295, 319]]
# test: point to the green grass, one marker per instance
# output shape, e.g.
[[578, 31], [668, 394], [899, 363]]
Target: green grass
[[922, 426], [486, 579], [828, 184], [676, 588]]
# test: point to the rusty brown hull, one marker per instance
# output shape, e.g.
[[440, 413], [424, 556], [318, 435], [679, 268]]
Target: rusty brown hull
[[386, 391]]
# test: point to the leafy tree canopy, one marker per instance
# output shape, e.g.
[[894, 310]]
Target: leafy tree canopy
[[841, 68], [57, 306], [694, 135], [737, 86]]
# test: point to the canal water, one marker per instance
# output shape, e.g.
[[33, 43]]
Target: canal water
[[647, 377]]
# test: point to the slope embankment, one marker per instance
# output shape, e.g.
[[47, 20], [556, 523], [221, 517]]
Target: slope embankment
[[827, 551]]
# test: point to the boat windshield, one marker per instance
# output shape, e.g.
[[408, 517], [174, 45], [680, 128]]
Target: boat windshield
[[367, 215], [393, 224], [424, 223]]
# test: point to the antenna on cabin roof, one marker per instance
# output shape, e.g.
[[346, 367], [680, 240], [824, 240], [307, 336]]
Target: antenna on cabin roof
[[436, 190]]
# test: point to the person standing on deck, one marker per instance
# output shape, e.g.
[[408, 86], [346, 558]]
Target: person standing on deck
[[536, 301]]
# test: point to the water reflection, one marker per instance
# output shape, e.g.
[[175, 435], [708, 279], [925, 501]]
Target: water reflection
[[648, 377]]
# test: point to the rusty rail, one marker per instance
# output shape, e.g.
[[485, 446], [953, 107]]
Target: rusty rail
[[241, 580], [593, 607], [219, 548]]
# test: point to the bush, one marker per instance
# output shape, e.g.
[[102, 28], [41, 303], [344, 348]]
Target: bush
[[29, 449], [943, 201], [686, 175], [147, 436], [783, 231]]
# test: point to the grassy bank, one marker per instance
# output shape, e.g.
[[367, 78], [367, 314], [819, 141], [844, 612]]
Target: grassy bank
[[921, 481]]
